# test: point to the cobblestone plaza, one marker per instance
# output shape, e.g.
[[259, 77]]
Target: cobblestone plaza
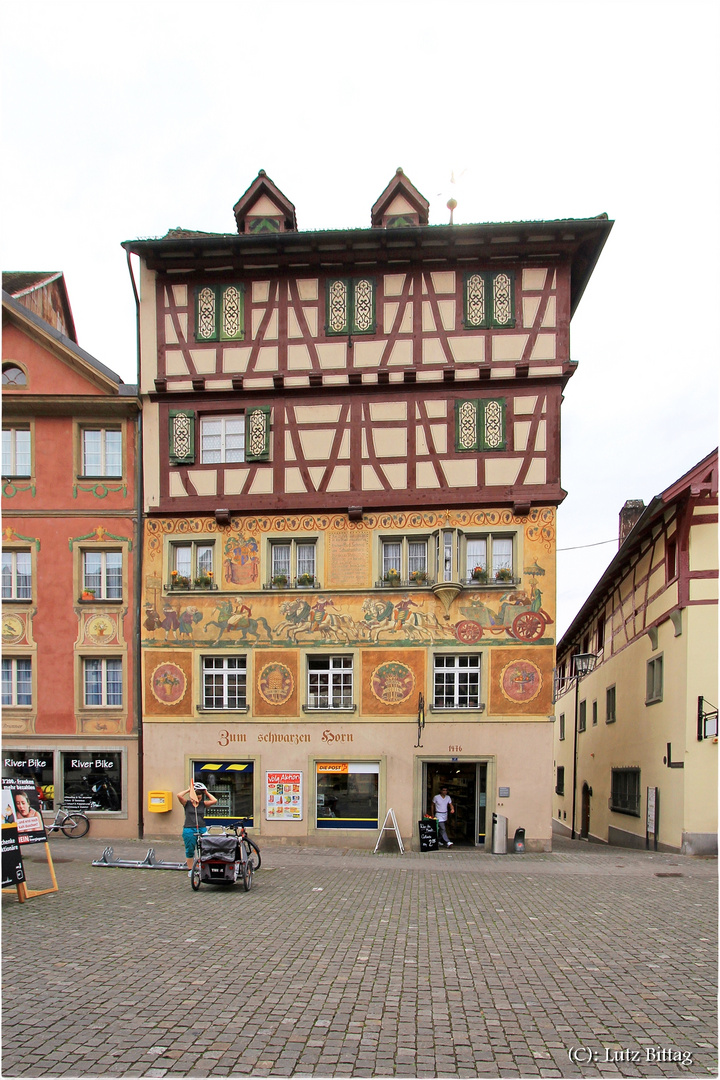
[[587, 961]]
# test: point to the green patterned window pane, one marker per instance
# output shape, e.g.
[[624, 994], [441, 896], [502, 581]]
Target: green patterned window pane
[[466, 426], [181, 432], [492, 419], [338, 307], [257, 439], [206, 313], [363, 295], [232, 326], [503, 300]]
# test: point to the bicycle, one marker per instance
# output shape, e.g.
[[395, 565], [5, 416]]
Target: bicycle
[[71, 824], [220, 870]]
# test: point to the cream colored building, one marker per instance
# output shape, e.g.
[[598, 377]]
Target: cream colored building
[[636, 743], [351, 475]]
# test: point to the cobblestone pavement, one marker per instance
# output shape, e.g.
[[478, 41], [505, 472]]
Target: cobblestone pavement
[[589, 961]]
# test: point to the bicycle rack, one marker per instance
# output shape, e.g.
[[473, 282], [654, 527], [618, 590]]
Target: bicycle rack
[[150, 862]]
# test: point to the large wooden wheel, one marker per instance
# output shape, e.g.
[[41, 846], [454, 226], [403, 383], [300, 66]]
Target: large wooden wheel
[[468, 632], [528, 626]]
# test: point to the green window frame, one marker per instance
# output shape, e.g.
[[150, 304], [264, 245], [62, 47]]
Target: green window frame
[[350, 306], [489, 300], [219, 313], [480, 425]]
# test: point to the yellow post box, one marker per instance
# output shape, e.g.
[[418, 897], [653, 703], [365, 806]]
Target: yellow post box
[[159, 801]]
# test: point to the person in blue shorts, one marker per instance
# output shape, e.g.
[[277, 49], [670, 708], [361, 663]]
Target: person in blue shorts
[[195, 799]]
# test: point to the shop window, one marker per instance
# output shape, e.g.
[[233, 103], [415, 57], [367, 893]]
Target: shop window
[[489, 560], [293, 564], [610, 705], [654, 687], [562, 727], [13, 375], [350, 306], [222, 439], [35, 765], [625, 791], [92, 780], [480, 425], [330, 682], [17, 681], [404, 561], [489, 300], [224, 682], [102, 575], [347, 795], [582, 716], [102, 681], [192, 565], [457, 682], [560, 780], [231, 782], [220, 313], [101, 452], [16, 575], [16, 451]]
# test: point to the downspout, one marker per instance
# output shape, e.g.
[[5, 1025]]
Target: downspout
[[139, 503]]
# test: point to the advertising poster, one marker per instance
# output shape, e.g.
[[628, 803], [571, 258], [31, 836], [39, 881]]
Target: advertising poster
[[12, 867], [283, 796], [28, 819]]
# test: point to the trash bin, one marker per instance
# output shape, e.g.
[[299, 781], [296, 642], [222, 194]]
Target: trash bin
[[499, 834], [519, 841]]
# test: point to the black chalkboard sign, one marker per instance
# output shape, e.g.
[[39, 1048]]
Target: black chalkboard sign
[[428, 834]]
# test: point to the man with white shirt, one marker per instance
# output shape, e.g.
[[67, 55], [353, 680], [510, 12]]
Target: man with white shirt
[[442, 805]]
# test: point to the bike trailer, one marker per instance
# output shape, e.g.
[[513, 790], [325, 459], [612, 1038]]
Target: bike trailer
[[219, 859]]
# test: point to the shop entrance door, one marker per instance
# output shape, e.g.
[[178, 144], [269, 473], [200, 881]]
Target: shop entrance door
[[466, 782]]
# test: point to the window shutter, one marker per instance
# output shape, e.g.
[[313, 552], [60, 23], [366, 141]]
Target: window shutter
[[363, 296], [206, 313], [232, 313], [182, 437], [492, 424], [501, 291], [257, 433], [337, 306], [474, 301], [466, 426]]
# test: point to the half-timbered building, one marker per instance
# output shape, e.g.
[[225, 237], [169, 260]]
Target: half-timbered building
[[69, 545], [637, 681], [351, 477]]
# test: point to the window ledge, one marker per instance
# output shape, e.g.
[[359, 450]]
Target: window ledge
[[17, 599], [239, 709], [100, 600], [458, 708], [611, 720], [628, 813], [329, 709], [654, 701], [191, 587]]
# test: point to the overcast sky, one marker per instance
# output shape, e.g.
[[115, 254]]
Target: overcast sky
[[122, 120]]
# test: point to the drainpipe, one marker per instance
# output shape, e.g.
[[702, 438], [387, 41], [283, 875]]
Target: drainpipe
[[137, 600]]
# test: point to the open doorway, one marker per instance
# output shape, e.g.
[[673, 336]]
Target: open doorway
[[466, 782]]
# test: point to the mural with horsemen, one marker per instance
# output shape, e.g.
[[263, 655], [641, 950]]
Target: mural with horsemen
[[209, 585]]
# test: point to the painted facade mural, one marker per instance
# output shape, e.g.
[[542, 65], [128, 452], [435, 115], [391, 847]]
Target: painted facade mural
[[392, 621]]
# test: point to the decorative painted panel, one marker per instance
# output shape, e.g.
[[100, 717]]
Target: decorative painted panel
[[182, 437]]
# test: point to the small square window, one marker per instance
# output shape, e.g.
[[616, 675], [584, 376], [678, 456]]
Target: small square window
[[330, 682], [16, 681], [16, 452], [457, 682], [101, 452], [16, 575], [625, 791], [224, 682]]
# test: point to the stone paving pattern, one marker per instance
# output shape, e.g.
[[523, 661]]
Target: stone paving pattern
[[344, 963]]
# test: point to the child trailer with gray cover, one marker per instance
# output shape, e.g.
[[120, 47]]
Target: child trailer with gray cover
[[223, 860]]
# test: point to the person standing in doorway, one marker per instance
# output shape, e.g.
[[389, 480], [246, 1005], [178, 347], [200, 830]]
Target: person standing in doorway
[[195, 800], [442, 805]]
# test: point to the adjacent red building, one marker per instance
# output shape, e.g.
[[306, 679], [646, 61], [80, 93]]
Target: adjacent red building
[[70, 544]]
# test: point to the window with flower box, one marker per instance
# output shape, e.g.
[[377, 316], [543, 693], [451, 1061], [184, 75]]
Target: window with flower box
[[404, 561], [102, 573], [489, 560], [192, 565], [293, 564]]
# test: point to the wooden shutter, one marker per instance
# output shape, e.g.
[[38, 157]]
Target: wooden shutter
[[467, 431], [232, 313], [363, 306], [500, 294], [181, 432], [491, 424], [257, 433], [337, 306]]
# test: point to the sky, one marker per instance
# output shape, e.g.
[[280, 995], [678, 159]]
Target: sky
[[124, 119]]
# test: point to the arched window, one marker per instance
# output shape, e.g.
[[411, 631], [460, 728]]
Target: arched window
[[12, 375]]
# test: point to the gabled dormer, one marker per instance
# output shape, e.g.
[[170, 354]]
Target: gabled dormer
[[401, 205], [264, 209]]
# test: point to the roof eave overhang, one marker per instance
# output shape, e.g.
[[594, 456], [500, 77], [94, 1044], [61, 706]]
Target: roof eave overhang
[[578, 240]]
